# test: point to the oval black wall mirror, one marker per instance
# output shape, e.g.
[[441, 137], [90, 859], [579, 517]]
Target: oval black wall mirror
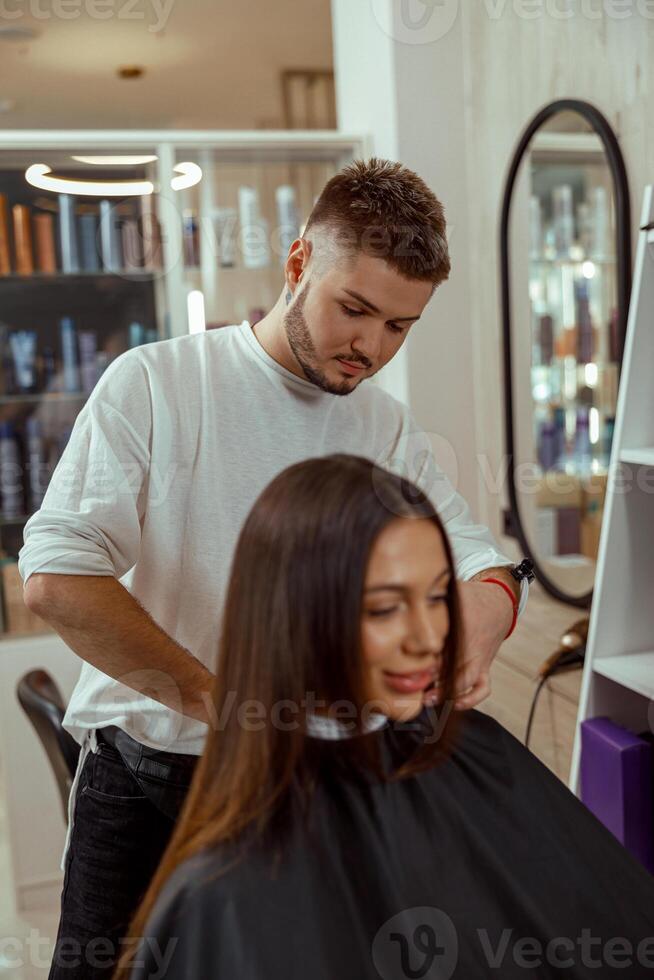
[[565, 257]]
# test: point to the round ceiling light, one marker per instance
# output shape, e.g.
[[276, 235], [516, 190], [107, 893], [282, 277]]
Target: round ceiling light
[[117, 161], [40, 175]]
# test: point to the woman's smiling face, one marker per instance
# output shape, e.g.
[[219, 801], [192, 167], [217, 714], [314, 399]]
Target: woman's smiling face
[[405, 616]]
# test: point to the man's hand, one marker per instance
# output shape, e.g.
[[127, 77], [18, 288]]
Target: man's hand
[[487, 614]]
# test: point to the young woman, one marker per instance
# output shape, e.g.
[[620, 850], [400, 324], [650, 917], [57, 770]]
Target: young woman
[[343, 823]]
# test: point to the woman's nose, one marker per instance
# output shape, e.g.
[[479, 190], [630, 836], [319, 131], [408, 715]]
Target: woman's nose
[[427, 632]]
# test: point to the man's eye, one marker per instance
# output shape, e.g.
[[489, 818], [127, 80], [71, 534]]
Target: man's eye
[[437, 598], [381, 612], [350, 312], [393, 327]]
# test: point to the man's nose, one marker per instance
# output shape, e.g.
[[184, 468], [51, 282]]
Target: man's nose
[[368, 344]]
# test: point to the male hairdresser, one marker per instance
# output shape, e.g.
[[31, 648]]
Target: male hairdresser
[[129, 556]]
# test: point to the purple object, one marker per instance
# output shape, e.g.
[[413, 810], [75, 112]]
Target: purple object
[[559, 435], [614, 338], [582, 434], [617, 784], [568, 531], [584, 325], [546, 445], [546, 339]]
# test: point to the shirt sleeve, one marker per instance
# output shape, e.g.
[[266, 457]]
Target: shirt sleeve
[[90, 520], [473, 546]]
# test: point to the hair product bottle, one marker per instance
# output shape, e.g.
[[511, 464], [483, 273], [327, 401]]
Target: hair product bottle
[[225, 223], [88, 233], [150, 232], [559, 435], [44, 239], [582, 436], [546, 339], [11, 473], [88, 368], [255, 243], [68, 234], [136, 334], [546, 446], [69, 355], [5, 253], [190, 238], [112, 258], [23, 239], [49, 369], [584, 325], [564, 225], [37, 467], [287, 219], [23, 351], [600, 223]]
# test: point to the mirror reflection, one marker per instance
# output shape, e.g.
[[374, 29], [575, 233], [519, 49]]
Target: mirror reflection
[[567, 342]]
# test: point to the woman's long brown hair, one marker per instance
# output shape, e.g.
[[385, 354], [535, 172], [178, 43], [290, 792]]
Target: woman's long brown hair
[[292, 628]]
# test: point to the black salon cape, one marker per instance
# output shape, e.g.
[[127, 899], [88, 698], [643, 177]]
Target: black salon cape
[[465, 871]]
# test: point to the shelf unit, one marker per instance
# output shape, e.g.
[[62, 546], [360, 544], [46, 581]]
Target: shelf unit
[[156, 286], [618, 677]]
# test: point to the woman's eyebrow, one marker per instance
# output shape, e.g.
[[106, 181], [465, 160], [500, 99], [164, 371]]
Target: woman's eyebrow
[[397, 587]]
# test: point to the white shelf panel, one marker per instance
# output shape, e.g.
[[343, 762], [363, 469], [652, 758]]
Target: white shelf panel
[[633, 670], [640, 457]]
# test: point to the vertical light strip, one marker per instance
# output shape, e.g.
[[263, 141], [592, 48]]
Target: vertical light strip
[[594, 426], [591, 374], [195, 309]]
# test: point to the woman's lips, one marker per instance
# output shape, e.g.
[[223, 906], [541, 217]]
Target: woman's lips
[[409, 683]]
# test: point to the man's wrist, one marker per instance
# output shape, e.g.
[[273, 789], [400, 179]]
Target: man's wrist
[[503, 575], [500, 579]]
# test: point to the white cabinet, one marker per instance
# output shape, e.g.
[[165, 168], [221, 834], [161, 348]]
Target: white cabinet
[[618, 676]]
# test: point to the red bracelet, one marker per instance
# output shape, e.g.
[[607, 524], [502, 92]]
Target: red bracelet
[[514, 601]]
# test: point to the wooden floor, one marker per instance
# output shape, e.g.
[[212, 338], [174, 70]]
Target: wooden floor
[[514, 678]]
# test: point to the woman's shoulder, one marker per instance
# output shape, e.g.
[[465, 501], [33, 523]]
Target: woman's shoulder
[[476, 742], [182, 886], [469, 727]]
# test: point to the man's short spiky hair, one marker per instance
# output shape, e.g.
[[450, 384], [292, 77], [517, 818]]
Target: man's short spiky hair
[[383, 209]]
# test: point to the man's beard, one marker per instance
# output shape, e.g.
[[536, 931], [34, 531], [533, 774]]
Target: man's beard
[[299, 340]]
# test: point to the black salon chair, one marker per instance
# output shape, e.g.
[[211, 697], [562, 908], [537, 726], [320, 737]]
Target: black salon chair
[[43, 704]]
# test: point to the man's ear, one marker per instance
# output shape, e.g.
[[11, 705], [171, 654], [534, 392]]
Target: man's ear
[[297, 261]]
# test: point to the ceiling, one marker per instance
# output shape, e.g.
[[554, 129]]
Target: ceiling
[[209, 63]]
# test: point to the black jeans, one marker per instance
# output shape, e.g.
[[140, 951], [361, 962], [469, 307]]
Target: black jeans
[[127, 800]]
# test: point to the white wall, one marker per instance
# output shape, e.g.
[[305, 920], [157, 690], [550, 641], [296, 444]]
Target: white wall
[[596, 51], [407, 90], [450, 99], [209, 64]]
